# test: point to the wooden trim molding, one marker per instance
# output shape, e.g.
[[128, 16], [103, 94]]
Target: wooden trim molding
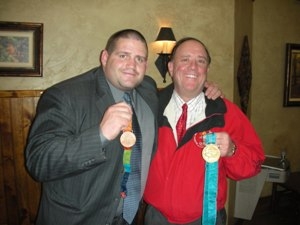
[[20, 93]]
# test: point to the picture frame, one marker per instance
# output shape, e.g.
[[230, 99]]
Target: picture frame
[[292, 75], [21, 49]]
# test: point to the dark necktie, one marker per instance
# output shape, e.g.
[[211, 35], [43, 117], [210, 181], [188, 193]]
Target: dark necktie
[[181, 123], [133, 185]]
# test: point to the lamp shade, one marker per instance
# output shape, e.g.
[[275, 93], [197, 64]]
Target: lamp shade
[[167, 39], [165, 34]]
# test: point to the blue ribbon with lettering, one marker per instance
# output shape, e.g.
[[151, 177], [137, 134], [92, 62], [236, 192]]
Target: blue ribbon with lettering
[[210, 187]]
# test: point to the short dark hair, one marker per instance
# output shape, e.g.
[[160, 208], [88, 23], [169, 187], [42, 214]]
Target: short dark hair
[[181, 41], [126, 33]]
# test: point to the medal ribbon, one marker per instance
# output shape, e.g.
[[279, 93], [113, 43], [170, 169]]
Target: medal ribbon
[[127, 169], [131, 182], [210, 187], [126, 157], [127, 151]]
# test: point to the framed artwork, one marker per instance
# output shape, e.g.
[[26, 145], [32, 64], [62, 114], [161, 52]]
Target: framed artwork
[[292, 75], [21, 49]]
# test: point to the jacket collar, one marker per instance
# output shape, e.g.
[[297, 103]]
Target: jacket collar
[[214, 111]]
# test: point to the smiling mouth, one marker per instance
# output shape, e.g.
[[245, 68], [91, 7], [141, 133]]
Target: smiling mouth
[[191, 76], [130, 73]]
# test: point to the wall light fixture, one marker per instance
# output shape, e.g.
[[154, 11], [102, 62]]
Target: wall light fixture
[[166, 40]]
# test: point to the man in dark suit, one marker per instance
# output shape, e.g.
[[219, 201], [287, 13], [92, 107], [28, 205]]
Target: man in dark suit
[[74, 145]]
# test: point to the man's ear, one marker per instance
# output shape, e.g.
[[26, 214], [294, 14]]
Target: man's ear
[[103, 57], [170, 68]]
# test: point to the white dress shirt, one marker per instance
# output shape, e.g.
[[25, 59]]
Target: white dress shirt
[[195, 113]]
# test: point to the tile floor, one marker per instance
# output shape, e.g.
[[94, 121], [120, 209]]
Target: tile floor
[[286, 212]]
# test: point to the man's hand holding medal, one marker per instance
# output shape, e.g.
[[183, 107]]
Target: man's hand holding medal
[[215, 145]]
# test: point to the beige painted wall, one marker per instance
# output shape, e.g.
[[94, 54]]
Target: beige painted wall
[[75, 32], [275, 23]]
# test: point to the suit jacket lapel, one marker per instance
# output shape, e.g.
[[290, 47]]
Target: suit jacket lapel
[[105, 97]]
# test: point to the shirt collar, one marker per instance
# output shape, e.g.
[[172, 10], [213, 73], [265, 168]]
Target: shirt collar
[[191, 103]]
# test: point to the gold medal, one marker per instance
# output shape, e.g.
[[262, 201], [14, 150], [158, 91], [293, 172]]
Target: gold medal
[[211, 153], [127, 139]]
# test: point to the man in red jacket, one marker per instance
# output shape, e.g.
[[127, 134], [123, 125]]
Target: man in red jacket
[[179, 171]]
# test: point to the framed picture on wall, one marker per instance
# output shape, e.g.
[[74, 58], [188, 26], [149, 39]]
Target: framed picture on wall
[[292, 75], [21, 49]]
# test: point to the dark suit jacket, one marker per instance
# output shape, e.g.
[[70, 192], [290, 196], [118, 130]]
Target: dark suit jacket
[[81, 176]]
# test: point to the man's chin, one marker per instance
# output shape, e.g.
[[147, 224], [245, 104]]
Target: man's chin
[[127, 86]]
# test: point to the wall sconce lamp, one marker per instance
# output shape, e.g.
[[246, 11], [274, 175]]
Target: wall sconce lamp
[[167, 39]]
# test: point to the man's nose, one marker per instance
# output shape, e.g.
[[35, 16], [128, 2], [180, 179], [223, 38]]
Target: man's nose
[[130, 61]]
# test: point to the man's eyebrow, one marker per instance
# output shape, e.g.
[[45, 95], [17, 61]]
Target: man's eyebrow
[[122, 52], [202, 56], [129, 53]]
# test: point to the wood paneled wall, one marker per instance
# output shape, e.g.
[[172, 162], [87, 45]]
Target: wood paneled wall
[[19, 193]]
